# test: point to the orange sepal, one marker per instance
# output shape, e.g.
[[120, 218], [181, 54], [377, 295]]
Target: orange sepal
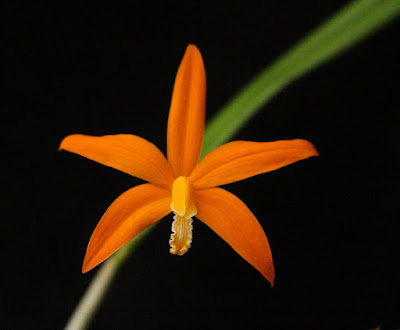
[[127, 216], [239, 160], [187, 114], [231, 219], [128, 153]]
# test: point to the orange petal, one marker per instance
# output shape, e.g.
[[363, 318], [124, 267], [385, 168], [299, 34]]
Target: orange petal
[[128, 153], [239, 160], [127, 216], [186, 115], [231, 219]]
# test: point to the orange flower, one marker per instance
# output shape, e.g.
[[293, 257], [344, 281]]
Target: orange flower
[[182, 185]]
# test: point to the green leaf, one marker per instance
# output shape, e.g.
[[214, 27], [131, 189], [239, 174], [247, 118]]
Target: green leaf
[[349, 26]]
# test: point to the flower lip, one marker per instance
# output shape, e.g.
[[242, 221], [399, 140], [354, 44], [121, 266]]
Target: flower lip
[[182, 234], [184, 208]]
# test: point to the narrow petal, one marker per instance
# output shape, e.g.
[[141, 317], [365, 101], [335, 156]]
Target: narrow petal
[[127, 216], [128, 153], [239, 160], [186, 115], [231, 219]]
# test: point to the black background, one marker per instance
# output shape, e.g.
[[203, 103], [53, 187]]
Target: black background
[[331, 221]]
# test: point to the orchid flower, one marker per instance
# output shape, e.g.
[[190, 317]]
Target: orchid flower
[[182, 184]]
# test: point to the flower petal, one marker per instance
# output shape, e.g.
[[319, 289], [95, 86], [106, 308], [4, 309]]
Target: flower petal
[[128, 153], [231, 219], [239, 160], [187, 113], [127, 216]]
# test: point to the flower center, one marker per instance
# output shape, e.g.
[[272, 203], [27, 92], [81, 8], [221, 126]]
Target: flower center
[[184, 209]]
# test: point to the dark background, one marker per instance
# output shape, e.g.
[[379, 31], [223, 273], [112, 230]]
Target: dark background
[[331, 221]]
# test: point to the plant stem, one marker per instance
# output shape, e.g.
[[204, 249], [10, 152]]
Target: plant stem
[[94, 294]]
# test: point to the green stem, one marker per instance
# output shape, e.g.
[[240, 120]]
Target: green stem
[[94, 294], [349, 26]]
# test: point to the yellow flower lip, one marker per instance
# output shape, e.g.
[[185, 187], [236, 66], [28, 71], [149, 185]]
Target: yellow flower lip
[[182, 234], [182, 198], [183, 205]]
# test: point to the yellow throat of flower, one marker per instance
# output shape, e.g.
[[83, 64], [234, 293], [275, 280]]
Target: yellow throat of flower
[[184, 209]]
